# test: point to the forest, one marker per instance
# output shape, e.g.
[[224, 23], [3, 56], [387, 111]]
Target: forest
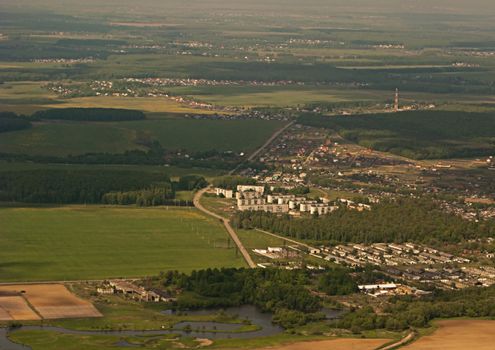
[[89, 114], [12, 122], [93, 187], [416, 134], [403, 220]]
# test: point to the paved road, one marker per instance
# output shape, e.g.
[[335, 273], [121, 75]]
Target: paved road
[[226, 223], [265, 145]]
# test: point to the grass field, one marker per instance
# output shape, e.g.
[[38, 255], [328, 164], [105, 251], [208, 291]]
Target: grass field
[[26, 97], [171, 171], [78, 242], [64, 138]]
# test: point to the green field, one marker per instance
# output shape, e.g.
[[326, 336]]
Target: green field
[[171, 171], [92, 242], [65, 138]]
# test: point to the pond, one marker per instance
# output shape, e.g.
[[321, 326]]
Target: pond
[[198, 329]]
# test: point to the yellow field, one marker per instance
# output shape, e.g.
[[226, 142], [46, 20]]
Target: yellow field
[[27, 97], [51, 301], [145, 104], [458, 335], [337, 344]]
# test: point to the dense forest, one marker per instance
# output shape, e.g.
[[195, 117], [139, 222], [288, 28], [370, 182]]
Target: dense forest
[[93, 187], [404, 220], [12, 122], [155, 155], [90, 114], [416, 134]]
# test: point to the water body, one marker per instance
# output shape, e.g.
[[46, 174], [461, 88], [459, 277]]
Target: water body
[[199, 329], [6, 344]]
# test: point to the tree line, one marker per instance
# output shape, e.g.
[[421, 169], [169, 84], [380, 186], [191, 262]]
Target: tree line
[[402, 220], [93, 187], [416, 134], [89, 114], [406, 312], [12, 122]]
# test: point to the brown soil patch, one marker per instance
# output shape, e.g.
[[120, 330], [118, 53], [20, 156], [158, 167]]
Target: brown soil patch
[[4, 315], [16, 308], [336, 344], [52, 301], [458, 335]]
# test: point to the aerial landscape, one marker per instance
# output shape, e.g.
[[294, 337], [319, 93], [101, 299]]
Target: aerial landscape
[[247, 174]]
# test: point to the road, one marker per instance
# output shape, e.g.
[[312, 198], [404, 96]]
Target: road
[[265, 145], [226, 223]]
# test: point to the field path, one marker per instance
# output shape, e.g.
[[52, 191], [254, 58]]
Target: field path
[[226, 223], [286, 239], [400, 342]]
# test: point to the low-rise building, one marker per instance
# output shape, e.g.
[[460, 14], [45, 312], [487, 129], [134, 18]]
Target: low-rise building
[[224, 192]]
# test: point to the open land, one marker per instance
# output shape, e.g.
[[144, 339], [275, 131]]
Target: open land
[[215, 85], [336, 344], [91, 242], [458, 334], [49, 301]]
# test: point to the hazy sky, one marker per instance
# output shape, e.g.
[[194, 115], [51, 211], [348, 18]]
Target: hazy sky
[[324, 7]]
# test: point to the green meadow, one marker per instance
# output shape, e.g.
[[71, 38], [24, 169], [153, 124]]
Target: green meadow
[[94, 242]]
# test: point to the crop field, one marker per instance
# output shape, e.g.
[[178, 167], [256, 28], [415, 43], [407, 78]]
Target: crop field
[[64, 138], [50, 301], [336, 344], [458, 335], [92, 242]]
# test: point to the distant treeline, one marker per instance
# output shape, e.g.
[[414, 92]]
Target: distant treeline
[[416, 134], [93, 187], [12, 122], [134, 157], [90, 114], [404, 220]]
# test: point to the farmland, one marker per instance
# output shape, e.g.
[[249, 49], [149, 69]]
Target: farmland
[[116, 118], [456, 335], [79, 242]]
